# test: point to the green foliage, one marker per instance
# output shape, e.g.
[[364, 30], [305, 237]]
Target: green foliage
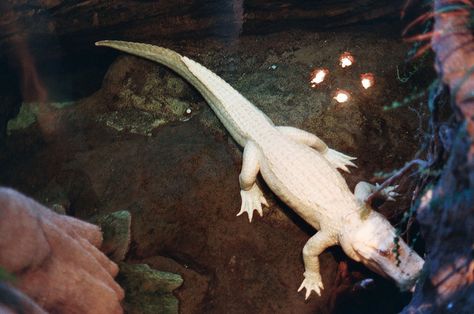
[[405, 77], [25, 118]]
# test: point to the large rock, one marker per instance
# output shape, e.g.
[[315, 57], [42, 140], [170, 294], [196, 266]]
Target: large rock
[[140, 100], [76, 24], [149, 291], [115, 228], [195, 286], [9, 107]]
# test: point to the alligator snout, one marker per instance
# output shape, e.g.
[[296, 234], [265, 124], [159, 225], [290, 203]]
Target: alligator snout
[[376, 245]]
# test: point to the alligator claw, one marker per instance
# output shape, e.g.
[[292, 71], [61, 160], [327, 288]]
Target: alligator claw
[[252, 200], [339, 160], [389, 192], [311, 282]]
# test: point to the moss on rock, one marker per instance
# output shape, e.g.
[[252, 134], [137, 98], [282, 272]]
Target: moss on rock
[[148, 291]]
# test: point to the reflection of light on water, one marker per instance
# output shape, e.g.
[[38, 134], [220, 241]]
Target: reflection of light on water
[[317, 76], [341, 96], [346, 59], [367, 80]]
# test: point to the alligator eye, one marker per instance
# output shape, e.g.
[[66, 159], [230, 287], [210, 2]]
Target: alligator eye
[[187, 114]]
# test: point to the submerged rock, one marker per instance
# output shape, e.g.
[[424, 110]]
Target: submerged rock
[[144, 96], [29, 112], [195, 287], [148, 291], [26, 117], [116, 232]]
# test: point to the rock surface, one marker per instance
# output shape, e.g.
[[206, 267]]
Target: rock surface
[[116, 232], [195, 287], [180, 182], [72, 25], [148, 291]]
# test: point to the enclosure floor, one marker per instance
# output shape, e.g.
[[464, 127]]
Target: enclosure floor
[[180, 182]]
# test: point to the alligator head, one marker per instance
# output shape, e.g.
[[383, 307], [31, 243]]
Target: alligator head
[[372, 240]]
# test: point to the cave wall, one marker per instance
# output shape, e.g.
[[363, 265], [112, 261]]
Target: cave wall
[[76, 23], [58, 35]]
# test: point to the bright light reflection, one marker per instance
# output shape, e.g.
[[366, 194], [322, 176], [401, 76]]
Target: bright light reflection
[[367, 80], [318, 76], [341, 96], [346, 59]]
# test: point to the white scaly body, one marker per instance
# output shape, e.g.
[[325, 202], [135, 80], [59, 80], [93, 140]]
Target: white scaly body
[[301, 170]]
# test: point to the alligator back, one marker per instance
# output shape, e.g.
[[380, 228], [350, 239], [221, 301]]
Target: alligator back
[[305, 180]]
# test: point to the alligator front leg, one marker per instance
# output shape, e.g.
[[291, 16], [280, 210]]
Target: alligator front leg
[[252, 196], [337, 159], [363, 189], [315, 246]]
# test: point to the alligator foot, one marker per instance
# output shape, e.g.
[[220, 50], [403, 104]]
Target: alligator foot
[[339, 160], [388, 193], [365, 192], [312, 282], [252, 200]]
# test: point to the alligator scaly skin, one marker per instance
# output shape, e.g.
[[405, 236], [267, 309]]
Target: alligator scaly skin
[[304, 177]]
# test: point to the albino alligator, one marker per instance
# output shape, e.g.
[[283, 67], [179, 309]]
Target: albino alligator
[[301, 170]]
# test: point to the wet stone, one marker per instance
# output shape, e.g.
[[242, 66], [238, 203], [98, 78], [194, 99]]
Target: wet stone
[[116, 233], [148, 291]]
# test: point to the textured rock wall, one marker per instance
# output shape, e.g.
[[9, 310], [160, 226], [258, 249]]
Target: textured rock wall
[[63, 32], [76, 22]]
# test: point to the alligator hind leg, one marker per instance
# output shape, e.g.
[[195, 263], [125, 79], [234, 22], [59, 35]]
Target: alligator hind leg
[[337, 159], [363, 190], [252, 196]]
